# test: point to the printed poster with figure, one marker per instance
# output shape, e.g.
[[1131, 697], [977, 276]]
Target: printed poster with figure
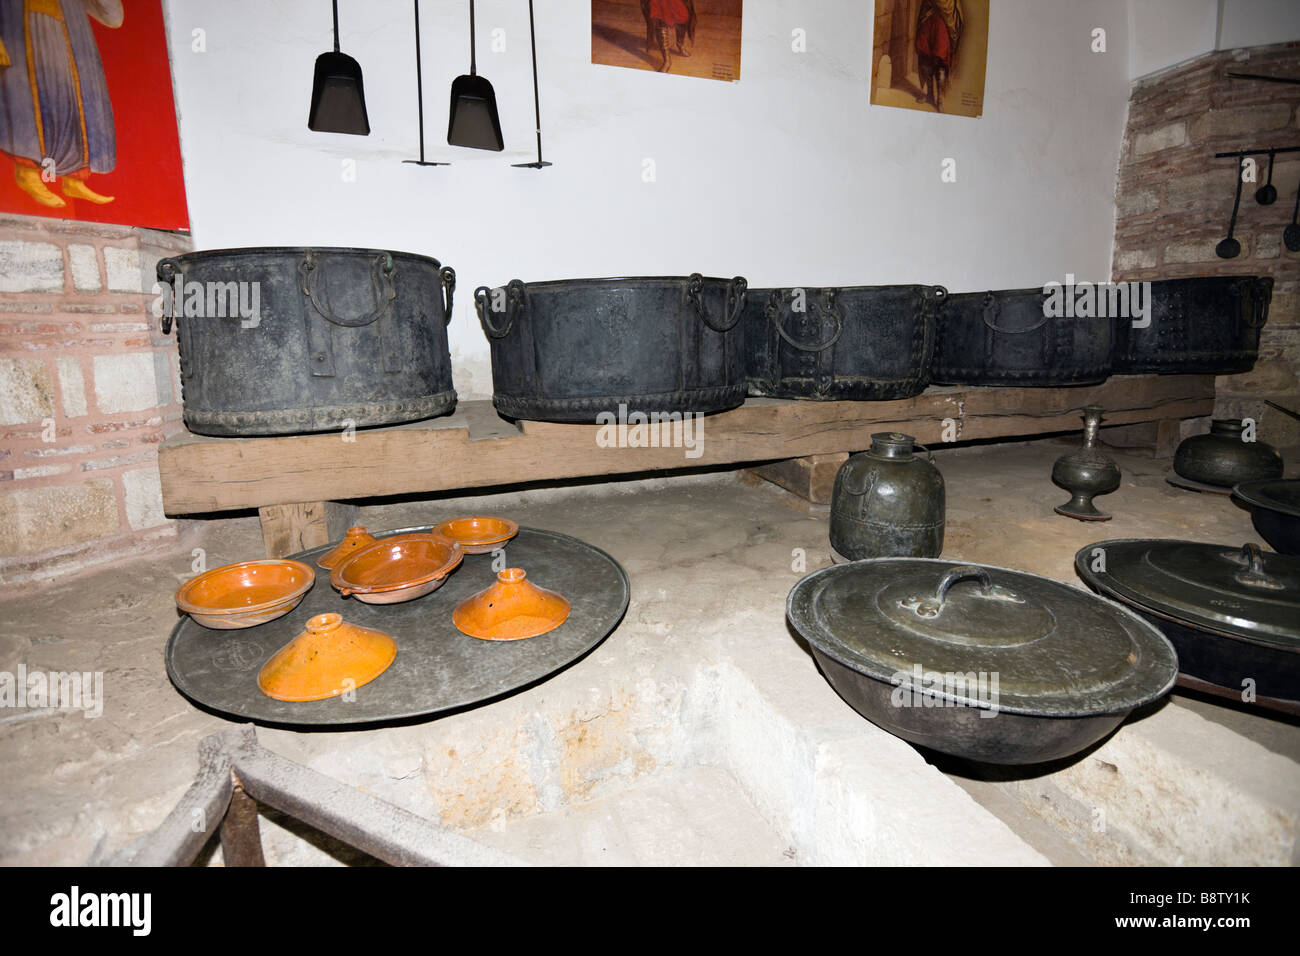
[[687, 37], [931, 55], [87, 119]]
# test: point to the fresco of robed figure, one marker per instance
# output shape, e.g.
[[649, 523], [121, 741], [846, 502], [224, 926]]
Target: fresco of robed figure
[[930, 55], [56, 118]]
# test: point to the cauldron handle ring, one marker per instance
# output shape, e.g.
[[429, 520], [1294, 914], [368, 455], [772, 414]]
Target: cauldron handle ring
[[829, 308], [733, 305], [992, 309], [515, 300], [166, 272], [1259, 304], [448, 277], [381, 277]]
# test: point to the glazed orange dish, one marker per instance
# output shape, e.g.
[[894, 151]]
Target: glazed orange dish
[[245, 594], [399, 568], [478, 534]]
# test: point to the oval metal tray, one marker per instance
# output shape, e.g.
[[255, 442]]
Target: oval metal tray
[[437, 667]]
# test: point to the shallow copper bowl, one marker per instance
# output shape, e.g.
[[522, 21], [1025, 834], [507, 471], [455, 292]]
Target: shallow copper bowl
[[396, 569], [478, 534], [245, 594]]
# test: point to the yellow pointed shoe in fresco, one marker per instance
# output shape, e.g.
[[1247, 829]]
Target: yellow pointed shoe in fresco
[[76, 189], [29, 181]]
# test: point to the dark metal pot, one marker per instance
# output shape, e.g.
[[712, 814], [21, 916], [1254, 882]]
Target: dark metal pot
[[888, 502], [339, 337], [1009, 338], [1232, 613], [1274, 511], [1222, 458], [862, 343], [905, 641], [1206, 324], [569, 350]]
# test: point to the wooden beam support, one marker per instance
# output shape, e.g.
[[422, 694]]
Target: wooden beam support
[[812, 477], [1160, 437], [1168, 436], [288, 529], [220, 474]]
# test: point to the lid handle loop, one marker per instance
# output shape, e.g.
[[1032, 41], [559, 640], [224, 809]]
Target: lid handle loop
[[933, 606], [1254, 575]]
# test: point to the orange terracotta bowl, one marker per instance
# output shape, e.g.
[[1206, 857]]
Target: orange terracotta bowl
[[245, 594], [401, 568], [478, 534]]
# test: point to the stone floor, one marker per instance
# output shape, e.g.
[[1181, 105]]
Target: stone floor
[[699, 732]]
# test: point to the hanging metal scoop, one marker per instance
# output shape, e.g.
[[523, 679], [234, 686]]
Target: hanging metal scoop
[[474, 121], [1291, 234], [1266, 194], [338, 99], [1230, 248]]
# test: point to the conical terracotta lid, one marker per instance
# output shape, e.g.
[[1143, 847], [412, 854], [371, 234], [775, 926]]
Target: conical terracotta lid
[[511, 609], [330, 658], [356, 539]]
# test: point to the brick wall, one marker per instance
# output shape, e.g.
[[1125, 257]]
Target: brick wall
[[88, 389], [1174, 200]]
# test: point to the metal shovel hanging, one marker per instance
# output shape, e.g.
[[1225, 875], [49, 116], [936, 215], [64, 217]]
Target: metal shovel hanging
[[338, 99], [474, 122]]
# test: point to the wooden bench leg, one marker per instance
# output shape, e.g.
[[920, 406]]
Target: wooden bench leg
[[1161, 436], [812, 477], [1168, 436], [241, 836], [288, 529]]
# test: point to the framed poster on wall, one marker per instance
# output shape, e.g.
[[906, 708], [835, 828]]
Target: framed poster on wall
[[687, 37], [930, 55], [87, 119]]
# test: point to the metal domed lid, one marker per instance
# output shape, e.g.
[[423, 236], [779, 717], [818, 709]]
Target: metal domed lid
[[1236, 591], [1054, 650], [1276, 494]]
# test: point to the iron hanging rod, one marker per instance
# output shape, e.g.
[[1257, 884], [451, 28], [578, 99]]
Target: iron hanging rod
[[537, 102], [1262, 76], [1258, 151], [419, 94]]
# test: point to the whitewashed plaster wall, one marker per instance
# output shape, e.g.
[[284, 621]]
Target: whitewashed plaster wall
[[789, 176], [1163, 33]]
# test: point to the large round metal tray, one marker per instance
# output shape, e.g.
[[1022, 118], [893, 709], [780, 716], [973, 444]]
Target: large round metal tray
[[437, 667]]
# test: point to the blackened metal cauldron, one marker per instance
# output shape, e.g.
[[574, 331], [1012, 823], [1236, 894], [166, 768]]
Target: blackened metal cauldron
[[277, 341], [862, 343], [1011, 338], [1205, 324], [568, 350]]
